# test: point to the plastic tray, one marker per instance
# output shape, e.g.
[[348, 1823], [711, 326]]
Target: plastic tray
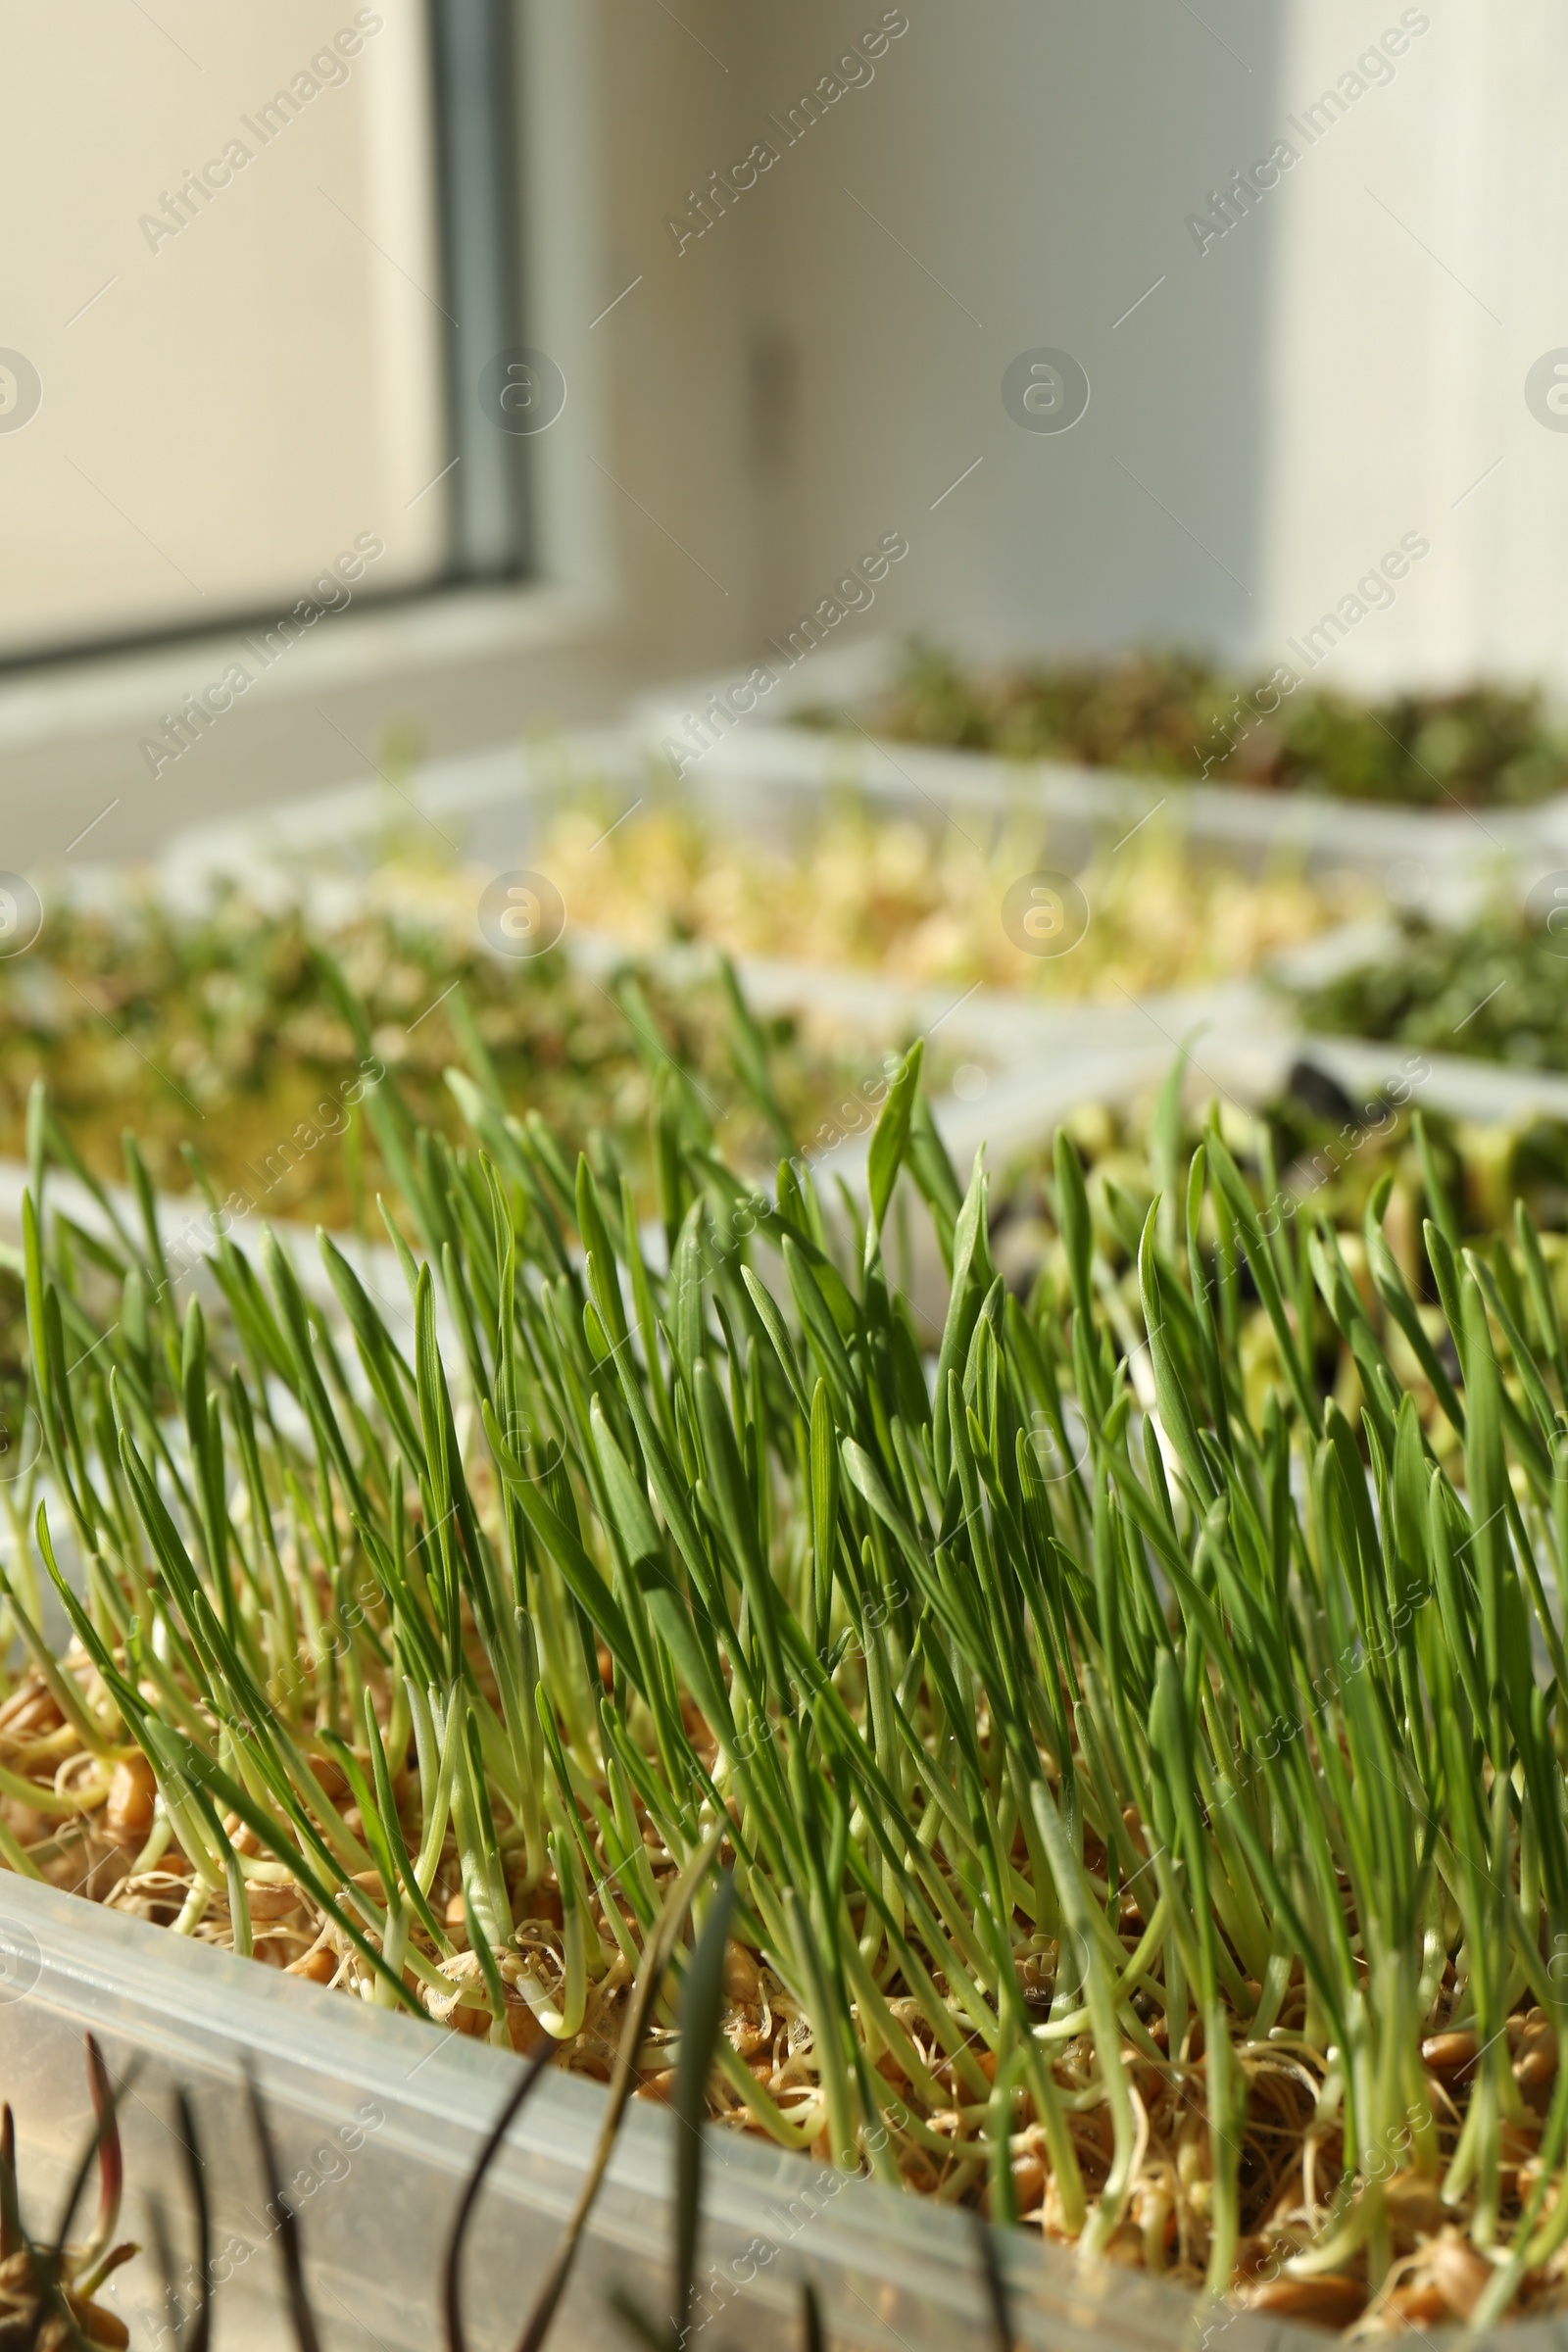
[[1247, 1057], [1424, 851], [379, 2119], [493, 810], [377, 2122]]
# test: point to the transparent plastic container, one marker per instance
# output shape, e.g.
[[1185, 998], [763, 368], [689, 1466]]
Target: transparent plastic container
[[378, 2121], [496, 810], [769, 747], [767, 780], [762, 783]]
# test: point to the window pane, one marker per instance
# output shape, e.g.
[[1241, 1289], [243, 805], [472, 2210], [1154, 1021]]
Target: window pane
[[223, 280]]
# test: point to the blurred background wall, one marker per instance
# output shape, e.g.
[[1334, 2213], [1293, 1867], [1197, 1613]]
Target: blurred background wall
[[1417, 315], [1290, 373]]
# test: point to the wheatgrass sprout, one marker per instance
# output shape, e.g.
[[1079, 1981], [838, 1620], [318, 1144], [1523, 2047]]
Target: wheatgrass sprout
[[1132, 1715], [230, 995], [49, 2286]]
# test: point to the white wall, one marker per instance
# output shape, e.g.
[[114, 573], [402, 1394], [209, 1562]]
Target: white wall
[[1039, 161], [1420, 252], [1336, 371]]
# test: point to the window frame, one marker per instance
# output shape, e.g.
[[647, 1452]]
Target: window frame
[[476, 99], [474, 94]]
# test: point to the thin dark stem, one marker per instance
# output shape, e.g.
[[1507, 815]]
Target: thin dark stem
[[111, 2157], [299, 2303], [47, 2263], [995, 2286], [10, 2203], [195, 2175], [639, 2015], [163, 2247], [452, 2283], [104, 2126]]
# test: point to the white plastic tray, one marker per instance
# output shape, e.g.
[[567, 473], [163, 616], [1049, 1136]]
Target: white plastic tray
[[1424, 853], [1248, 1059], [379, 2119], [377, 2122], [491, 812], [892, 2272]]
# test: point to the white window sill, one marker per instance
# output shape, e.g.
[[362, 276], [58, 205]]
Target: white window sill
[[403, 644]]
